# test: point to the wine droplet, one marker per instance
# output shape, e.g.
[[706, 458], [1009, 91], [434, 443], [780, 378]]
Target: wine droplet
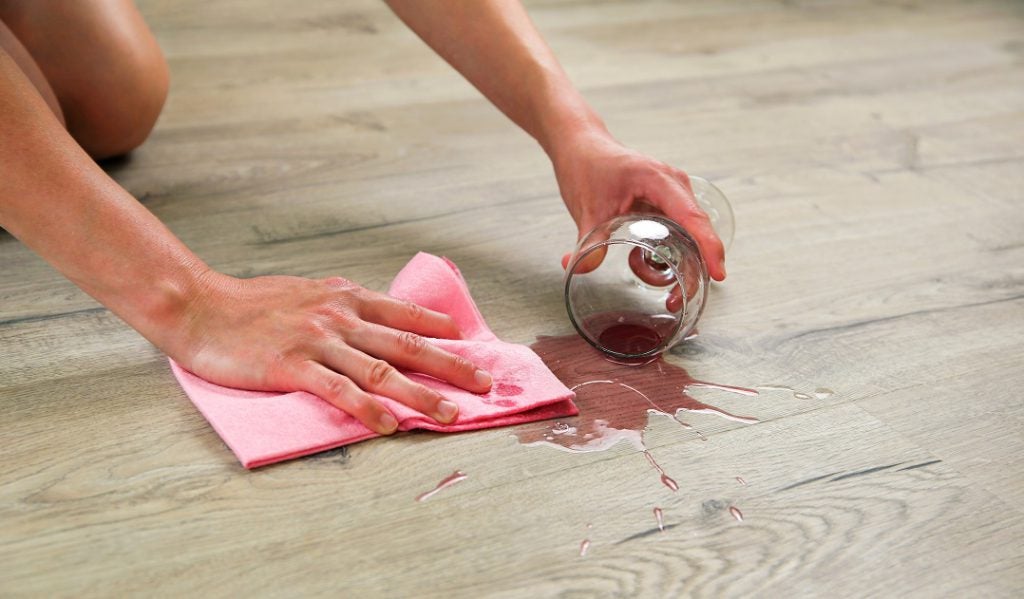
[[819, 393], [740, 480], [660, 517], [451, 479], [666, 480], [584, 546], [736, 513]]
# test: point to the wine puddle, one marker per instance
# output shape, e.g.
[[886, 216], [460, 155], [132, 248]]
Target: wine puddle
[[615, 400]]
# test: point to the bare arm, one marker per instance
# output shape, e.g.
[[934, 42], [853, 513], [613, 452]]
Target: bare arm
[[495, 46], [58, 202], [329, 337]]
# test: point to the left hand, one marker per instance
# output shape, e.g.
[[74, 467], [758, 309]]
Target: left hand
[[600, 178]]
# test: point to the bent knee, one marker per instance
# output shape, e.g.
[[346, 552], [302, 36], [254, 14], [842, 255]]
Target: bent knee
[[103, 64], [114, 113]]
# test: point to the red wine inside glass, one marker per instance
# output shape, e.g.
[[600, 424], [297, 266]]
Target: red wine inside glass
[[629, 334], [629, 339]]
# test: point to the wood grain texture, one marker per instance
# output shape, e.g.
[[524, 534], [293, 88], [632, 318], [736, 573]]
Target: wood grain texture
[[873, 155]]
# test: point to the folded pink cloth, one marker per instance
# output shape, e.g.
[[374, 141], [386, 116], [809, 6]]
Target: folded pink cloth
[[266, 427]]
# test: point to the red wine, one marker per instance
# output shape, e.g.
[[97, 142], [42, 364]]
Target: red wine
[[630, 339], [630, 333], [451, 479], [615, 399], [660, 517]]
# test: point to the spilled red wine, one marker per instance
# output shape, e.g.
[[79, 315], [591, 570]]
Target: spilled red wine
[[584, 546], [630, 338], [455, 477], [614, 399], [666, 480], [630, 334]]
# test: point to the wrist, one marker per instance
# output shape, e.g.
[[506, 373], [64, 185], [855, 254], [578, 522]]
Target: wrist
[[566, 123], [575, 143], [163, 307]]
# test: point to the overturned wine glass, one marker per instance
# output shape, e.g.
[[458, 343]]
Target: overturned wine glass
[[636, 285]]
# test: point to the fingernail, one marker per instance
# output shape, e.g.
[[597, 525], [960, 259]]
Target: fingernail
[[388, 423], [447, 411], [482, 378]]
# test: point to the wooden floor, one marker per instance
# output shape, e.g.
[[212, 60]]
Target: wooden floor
[[874, 155]]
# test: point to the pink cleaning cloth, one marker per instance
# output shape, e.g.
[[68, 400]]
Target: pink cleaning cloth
[[266, 427]]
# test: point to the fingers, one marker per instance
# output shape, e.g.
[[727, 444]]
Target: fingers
[[674, 302], [344, 394], [413, 352], [378, 376], [407, 316], [587, 262], [710, 245], [675, 199]]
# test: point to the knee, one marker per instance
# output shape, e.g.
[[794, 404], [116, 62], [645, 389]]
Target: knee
[[112, 114], [102, 63]]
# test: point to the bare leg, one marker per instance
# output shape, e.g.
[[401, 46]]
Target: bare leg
[[14, 49], [101, 62]]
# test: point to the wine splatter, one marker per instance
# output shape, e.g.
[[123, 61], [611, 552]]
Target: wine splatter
[[451, 479], [615, 399], [819, 393], [584, 546], [507, 389], [666, 480]]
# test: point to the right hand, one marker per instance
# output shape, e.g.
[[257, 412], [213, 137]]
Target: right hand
[[329, 337]]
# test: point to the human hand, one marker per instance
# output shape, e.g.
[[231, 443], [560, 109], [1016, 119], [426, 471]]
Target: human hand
[[600, 178], [329, 337]]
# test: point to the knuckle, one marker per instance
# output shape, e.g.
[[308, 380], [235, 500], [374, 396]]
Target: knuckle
[[428, 396], [379, 373], [337, 387], [312, 327], [693, 212], [410, 344], [414, 312], [360, 404], [343, 320], [459, 363], [340, 283]]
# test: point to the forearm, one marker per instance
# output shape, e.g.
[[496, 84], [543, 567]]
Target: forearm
[[495, 46], [58, 202]]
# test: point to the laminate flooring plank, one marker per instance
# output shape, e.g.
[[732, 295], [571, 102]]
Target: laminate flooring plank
[[877, 506]]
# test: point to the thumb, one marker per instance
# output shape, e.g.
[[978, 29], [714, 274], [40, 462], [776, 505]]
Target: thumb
[[586, 256]]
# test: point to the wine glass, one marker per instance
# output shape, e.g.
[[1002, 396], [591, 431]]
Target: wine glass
[[637, 284]]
